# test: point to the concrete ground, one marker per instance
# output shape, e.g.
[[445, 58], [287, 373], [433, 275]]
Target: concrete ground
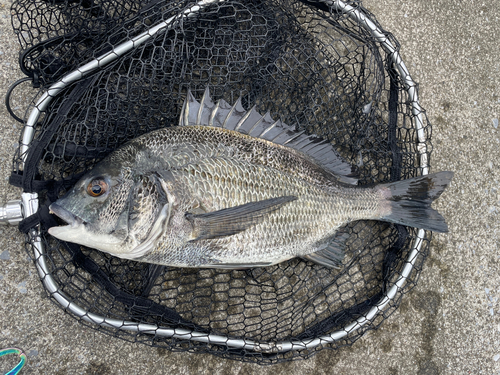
[[448, 324]]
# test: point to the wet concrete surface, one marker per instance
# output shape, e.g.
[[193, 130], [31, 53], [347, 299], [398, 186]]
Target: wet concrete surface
[[448, 324]]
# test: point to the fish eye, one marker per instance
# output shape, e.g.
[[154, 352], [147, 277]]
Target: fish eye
[[97, 187]]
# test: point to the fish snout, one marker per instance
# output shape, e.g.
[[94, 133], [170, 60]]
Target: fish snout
[[65, 215]]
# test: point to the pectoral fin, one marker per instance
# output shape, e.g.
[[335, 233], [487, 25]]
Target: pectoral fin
[[233, 220]]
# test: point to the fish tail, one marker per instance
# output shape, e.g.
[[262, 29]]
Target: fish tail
[[409, 201]]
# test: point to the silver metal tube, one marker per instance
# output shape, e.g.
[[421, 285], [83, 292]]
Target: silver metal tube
[[11, 213], [404, 74], [30, 200], [44, 101]]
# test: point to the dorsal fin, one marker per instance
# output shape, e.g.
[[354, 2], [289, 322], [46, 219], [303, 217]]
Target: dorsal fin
[[235, 117]]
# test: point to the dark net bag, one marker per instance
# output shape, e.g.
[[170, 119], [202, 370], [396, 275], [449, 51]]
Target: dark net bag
[[110, 71]]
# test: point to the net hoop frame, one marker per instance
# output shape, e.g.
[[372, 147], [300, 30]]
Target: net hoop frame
[[30, 200]]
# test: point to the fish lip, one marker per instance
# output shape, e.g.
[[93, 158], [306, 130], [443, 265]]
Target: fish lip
[[73, 220]]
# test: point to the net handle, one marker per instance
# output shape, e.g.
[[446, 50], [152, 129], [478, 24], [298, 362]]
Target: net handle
[[30, 200]]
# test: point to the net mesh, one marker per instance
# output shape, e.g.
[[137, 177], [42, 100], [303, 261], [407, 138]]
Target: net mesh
[[306, 62]]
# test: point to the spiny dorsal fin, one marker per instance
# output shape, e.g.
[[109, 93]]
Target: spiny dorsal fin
[[223, 115]]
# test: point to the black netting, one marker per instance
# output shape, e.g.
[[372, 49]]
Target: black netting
[[308, 63]]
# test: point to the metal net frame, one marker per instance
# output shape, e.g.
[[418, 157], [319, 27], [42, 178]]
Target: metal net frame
[[112, 70]]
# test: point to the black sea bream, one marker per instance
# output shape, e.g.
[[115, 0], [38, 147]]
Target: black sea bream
[[229, 188]]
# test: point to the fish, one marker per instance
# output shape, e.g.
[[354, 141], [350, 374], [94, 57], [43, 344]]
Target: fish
[[231, 188]]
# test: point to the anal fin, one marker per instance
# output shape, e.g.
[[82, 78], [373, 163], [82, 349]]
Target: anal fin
[[332, 255]]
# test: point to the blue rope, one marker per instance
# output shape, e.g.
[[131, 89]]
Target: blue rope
[[21, 363]]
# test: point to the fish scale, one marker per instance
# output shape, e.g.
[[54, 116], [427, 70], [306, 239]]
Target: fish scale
[[307, 221]]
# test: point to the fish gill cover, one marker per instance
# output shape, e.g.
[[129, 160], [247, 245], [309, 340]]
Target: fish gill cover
[[309, 63]]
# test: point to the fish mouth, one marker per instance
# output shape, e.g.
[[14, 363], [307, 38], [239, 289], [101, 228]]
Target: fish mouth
[[72, 220]]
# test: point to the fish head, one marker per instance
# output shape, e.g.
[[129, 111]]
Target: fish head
[[96, 209], [116, 208]]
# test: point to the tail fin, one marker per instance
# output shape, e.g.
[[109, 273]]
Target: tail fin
[[410, 201]]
